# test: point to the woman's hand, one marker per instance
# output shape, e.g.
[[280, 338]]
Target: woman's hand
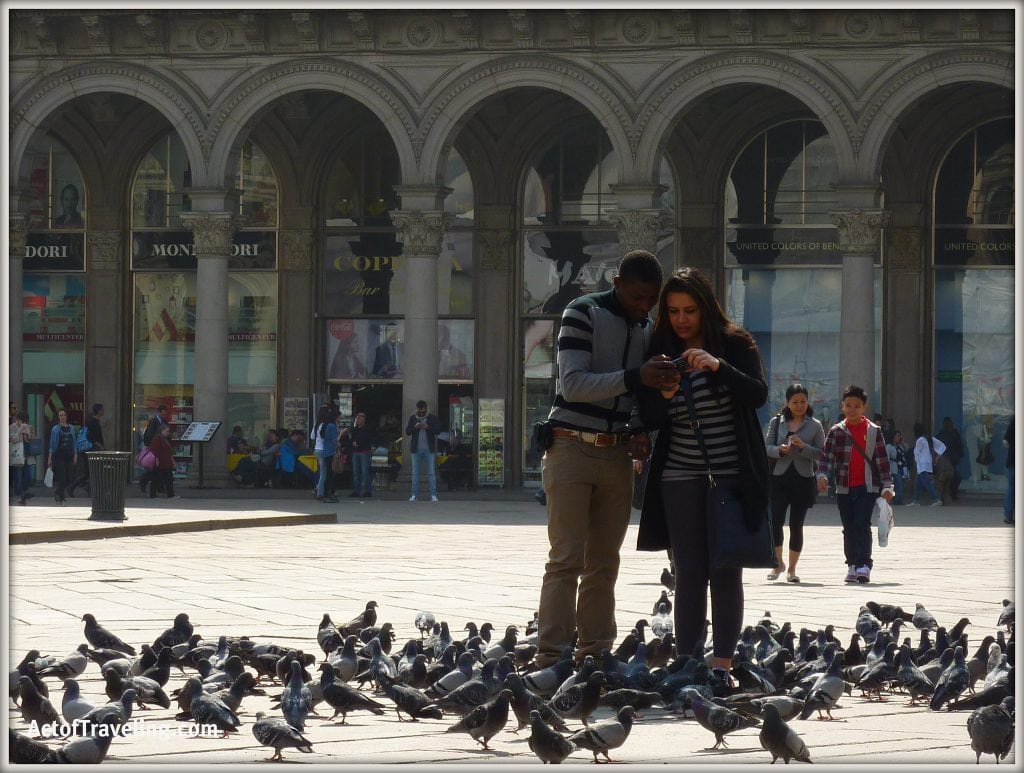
[[701, 360]]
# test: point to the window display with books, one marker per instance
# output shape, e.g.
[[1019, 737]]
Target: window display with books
[[491, 451]]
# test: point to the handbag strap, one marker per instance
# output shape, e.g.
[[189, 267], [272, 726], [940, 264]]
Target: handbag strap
[[869, 460], [687, 388]]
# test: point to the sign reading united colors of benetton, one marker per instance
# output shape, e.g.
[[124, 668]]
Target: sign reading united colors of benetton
[[177, 250]]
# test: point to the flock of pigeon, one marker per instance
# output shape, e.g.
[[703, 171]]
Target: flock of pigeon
[[478, 684]]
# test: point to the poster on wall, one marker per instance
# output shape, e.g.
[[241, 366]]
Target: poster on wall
[[296, 413], [365, 348], [491, 442], [53, 309], [559, 266]]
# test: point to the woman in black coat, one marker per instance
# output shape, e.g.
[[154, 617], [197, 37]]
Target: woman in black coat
[[723, 365]]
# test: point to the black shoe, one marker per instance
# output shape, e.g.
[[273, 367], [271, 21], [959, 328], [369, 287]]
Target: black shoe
[[71, 492], [27, 495], [21, 501], [719, 683]]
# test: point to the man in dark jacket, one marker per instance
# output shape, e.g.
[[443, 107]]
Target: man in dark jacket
[[94, 436], [423, 427]]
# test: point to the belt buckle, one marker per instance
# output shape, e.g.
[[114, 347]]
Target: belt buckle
[[601, 442]]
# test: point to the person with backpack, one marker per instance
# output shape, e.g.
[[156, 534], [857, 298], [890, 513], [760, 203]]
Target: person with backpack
[[90, 438], [63, 455], [325, 446]]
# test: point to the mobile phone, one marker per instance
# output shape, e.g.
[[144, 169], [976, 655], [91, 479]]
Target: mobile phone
[[680, 363]]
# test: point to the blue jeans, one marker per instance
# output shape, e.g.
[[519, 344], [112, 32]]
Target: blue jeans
[[924, 480], [1008, 502], [17, 477], [361, 481], [424, 459], [324, 465], [897, 482], [855, 513]]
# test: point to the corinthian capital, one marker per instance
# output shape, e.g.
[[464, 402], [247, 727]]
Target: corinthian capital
[[17, 235], [859, 230], [420, 231], [104, 250], [213, 232], [638, 228]]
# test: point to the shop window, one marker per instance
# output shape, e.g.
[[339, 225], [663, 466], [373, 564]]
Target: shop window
[[373, 349], [568, 182]]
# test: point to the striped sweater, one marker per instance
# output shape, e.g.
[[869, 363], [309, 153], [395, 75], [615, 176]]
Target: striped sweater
[[599, 357]]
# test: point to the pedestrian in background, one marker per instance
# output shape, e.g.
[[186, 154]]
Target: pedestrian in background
[[1008, 516], [855, 453], [926, 450], [163, 473], [17, 437], [362, 452], [422, 428], [93, 441], [63, 455], [325, 435], [899, 464], [29, 470], [795, 439], [724, 375]]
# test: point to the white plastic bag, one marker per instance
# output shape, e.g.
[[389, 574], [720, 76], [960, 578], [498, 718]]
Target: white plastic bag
[[48, 478], [886, 520]]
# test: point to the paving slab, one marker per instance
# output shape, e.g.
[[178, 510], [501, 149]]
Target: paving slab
[[464, 559]]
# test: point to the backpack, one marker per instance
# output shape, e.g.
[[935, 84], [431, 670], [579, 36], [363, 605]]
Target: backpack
[[82, 442]]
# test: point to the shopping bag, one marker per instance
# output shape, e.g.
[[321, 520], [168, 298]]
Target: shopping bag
[[48, 478], [146, 458], [886, 520]]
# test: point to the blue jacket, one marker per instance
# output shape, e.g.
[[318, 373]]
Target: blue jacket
[[55, 438], [330, 440]]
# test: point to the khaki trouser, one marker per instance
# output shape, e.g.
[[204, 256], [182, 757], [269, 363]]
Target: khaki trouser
[[589, 493]]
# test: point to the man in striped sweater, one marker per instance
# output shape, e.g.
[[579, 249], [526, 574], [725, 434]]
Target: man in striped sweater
[[587, 472]]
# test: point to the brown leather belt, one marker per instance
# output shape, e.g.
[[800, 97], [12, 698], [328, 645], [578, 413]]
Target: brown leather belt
[[599, 439]]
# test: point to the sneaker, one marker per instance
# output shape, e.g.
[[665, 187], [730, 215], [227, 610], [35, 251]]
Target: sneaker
[[911, 504], [174, 496], [863, 574], [412, 498], [936, 503], [433, 499], [851, 573]]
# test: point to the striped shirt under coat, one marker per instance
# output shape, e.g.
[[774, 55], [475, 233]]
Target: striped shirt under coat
[[839, 445], [599, 357], [742, 371]]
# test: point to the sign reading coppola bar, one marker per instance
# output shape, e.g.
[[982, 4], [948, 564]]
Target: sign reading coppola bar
[[176, 250]]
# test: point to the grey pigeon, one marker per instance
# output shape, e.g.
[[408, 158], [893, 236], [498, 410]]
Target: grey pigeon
[[180, 632], [548, 745], [410, 700], [1007, 614], [545, 681], [505, 646], [278, 734], [668, 579], [34, 706], [977, 666], [244, 684], [296, 699], [952, 681], [990, 696], [72, 705], [602, 737], [662, 599], [26, 668], [328, 636], [912, 679], [486, 720], [825, 691], [146, 690], [343, 698], [345, 662], [525, 700], [580, 700], [71, 666], [461, 674], [424, 622], [719, 720], [635, 699], [923, 619], [661, 621], [366, 619], [867, 625], [991, 732], [86, 750], [779, 739], [787, 706], [208, 709], [115, 713], [472, 693], [28, 751], [100, 638]]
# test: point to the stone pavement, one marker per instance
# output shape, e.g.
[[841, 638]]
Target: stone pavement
[[270, 564]]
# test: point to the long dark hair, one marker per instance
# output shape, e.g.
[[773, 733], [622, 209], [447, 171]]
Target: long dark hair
[[332, 416], [715, 325], [794, 389]]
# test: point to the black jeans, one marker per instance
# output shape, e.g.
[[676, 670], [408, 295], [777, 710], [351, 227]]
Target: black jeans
[[855, 512], [685, 513], [63, 470]]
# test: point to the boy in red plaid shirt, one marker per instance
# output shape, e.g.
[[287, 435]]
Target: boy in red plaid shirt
[[855, 453]]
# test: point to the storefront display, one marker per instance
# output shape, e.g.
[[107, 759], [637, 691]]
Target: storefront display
[[491, 442]]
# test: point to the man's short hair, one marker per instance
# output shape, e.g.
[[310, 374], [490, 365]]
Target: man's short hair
[[855, 391], [640, 266], [421, 403], [97, 407]]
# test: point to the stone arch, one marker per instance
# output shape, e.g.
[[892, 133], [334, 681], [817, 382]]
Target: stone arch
[[882, 114], [666, 99], [456, 98], [175, 100], [236, 108]]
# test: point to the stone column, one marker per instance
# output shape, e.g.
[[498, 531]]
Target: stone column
[[859, 232], [18, 238], [212, 232], [104, 333], [297, 326], [420, 232]]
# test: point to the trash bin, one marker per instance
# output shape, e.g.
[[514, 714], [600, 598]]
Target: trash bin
[[108, 479]]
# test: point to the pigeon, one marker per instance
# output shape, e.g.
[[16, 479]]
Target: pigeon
[[999, 673], [486, 720], [825, 691], [505, 646], [26, 668], [867, 625], [787, 706], [662, 599], [635, 699], [410, 700], [547, 744], [524, 701], [85, 750], [1007, 614], [100, 638], [991, 732], [179, 632], [424, 622], [957, 630], [243, 685], [277, 733], [461, 674], [471, 693], [580, 700], [343, 698], [296, 699], [28, 751], [912, 679], [668, 579], [327, 635], [545, 681], [977, 666], [208, 709], [602, 737], [103, 656], [186, 693], [345, 662], [719, 720], [71, 667], [990, 696], [366, 619], [73, 706], [160, 672], [115, 713], [779, 739], [34, 706], [952, 681], [923, 619], [877, 676], [661, 621], [146, 690]]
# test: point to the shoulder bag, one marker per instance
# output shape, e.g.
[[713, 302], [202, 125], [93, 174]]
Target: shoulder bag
[[731, 545], [146, 458], [874, 467], [773, 460]]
